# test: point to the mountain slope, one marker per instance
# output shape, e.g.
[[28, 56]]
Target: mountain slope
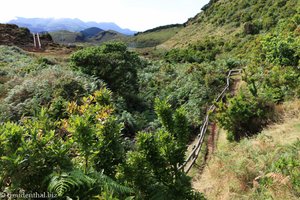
[[91, 32], [263, 38], [106, 36], [73, 25], [154, 37], [149, 38], [65, 37], [234, 19], [92, 35]]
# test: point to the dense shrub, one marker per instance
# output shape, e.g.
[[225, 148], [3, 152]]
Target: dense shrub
[[188, 85], [243, 116], [111, 62], [238, 12], [201, 51], [152, 168], [40, 88], [29, 153], [66, 156], [250, 28], [281, 49]]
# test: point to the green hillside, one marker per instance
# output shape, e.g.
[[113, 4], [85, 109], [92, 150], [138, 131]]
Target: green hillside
[[64, 37], [262, 37], [107, 36], [88, 36], [154, 37], [106, 122], [238, 21], [150, 38]]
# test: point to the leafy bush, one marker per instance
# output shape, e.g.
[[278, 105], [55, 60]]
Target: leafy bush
[[188, 85], [281, 50], [111, 62], [67, 156], [281, 84], [243, 116], [40, 88], [29, 153]]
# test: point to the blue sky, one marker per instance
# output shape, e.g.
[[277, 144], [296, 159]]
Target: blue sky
[[137, 15]]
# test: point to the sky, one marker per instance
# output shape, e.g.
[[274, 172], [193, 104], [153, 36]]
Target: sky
[[137, 15]]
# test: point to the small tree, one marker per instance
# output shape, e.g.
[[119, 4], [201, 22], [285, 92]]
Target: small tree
[[71, 156], [152, 168], [29, 153], [96, 132]]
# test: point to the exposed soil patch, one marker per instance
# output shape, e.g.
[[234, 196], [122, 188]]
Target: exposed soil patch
[[211, 141]]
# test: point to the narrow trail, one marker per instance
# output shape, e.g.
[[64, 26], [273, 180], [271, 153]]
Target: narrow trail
[[214, 129], [194, 148], [212, 141]]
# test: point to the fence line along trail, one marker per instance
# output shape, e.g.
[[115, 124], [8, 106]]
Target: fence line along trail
[[191, 159]]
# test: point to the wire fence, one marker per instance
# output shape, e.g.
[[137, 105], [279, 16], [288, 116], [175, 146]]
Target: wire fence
[[191, 159]]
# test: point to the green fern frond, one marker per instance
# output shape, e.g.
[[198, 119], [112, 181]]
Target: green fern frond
[[112, 185], [63, 183]]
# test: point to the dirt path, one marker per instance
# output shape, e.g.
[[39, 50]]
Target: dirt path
[[213, 139]]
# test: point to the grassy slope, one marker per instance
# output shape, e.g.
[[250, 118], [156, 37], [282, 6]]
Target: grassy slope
[[67, 37], [146, 39], [64, 37], [232, 171], [107, 36], [238, 170], [225, 19], [153, 38]]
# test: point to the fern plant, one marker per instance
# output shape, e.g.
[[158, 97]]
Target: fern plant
[[69, 183], [78, 185]]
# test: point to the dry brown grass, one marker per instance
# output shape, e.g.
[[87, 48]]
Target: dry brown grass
[[236, 168], [288, 130]]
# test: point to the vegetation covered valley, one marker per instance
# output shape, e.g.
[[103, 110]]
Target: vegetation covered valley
[[114, 121]]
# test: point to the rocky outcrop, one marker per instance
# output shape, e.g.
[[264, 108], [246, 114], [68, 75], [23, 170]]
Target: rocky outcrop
[[12, 35]]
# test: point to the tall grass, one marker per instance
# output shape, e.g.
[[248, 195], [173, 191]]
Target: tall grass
[[266, 166]]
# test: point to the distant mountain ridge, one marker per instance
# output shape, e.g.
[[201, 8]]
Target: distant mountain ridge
[[91, 35], [91, 32], [67, 24]]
